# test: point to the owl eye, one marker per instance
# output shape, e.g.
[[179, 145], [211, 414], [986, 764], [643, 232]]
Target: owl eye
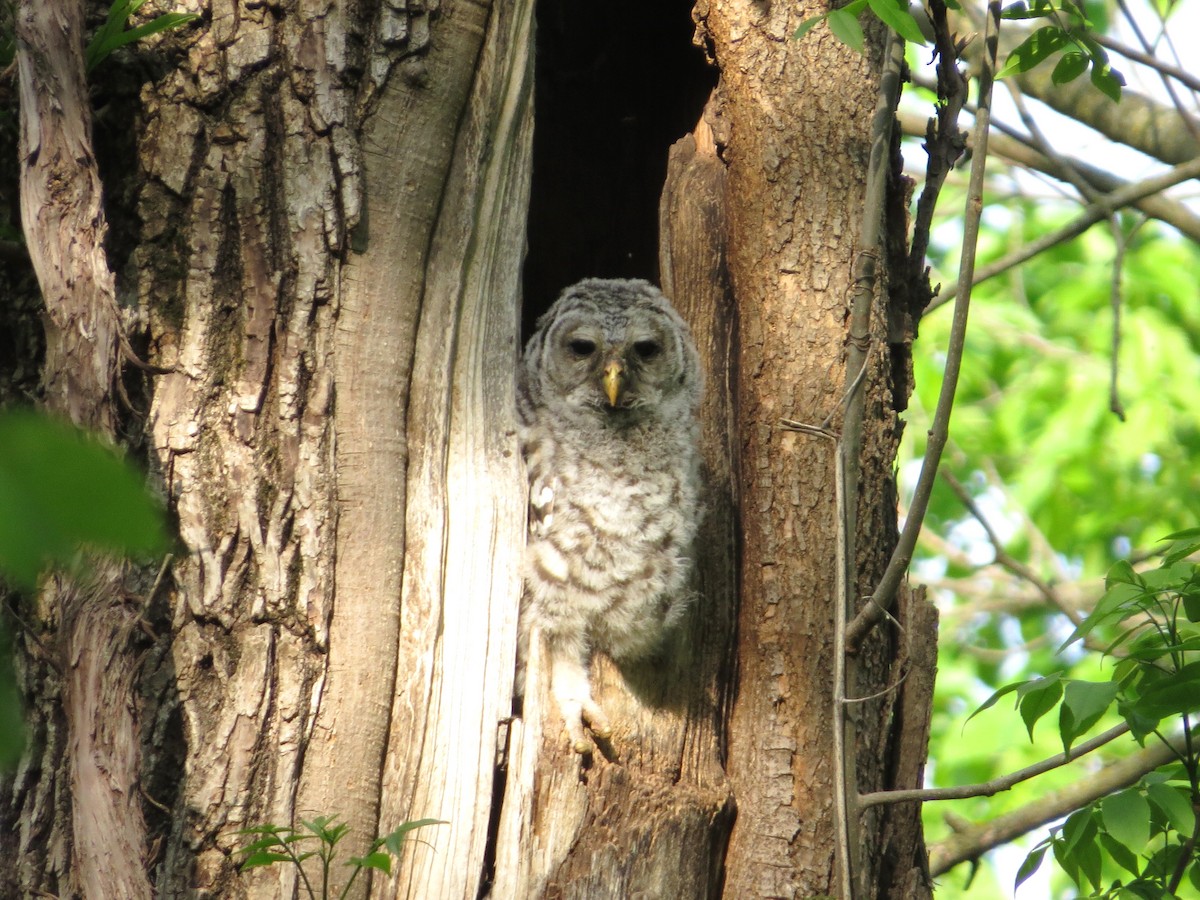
[[647, 350], [581, 347]]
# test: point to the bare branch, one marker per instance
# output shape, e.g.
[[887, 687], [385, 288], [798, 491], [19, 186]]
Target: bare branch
[[1002, 556], [974, 840], [1184, 116], [1181, 75], [850, 450], [996, 785], [884, 595], [1092, 213], [1155, 129], [1015, 148], [944, 145]]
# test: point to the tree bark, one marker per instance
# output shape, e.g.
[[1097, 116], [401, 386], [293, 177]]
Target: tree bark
[[796, 120], [84, 737], [332, 204]]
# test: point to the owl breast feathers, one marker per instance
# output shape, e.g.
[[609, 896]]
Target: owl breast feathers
[[608, 390]]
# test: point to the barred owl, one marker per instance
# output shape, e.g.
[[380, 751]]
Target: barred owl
[[608, 390]]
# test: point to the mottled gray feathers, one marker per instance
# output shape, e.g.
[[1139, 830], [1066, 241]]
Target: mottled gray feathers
[[607, 395]]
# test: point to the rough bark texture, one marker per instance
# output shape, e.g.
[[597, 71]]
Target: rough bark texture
[[332, 203], [337, 436], [794, 125], [249, 189], [84, 734]]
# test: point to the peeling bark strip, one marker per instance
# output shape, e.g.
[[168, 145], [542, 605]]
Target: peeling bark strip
[[101, 822], [62, 214]]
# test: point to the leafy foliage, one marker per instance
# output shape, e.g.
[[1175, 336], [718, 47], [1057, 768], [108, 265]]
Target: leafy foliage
[[1067, 486], [114, 33], [1070, 30], [1137, 842], [843, 22], [287, 844]]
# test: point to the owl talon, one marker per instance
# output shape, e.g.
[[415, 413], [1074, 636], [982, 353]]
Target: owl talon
[[596, 718]]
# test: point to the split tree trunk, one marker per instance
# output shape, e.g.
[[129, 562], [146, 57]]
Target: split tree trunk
[[333, 204]]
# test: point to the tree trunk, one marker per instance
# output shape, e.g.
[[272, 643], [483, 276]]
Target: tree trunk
[[333, 204]]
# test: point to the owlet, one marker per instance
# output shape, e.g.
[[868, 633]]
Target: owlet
[[608, 390]]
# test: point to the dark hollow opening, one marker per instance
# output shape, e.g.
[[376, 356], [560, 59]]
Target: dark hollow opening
[[616, 84]]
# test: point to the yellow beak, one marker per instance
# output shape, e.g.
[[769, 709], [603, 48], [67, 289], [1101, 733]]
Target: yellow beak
[[614, 374]]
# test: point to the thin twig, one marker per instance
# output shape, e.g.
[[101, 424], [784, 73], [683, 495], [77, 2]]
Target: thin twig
[[1091, 214], [944, 145], [1188, 121], [1002, 557], [1181, 75], [996, 785], [849, 455], [885, 592], [975, 840], [1067, 169], [1018, 149], [1120, 244], [845, 776]]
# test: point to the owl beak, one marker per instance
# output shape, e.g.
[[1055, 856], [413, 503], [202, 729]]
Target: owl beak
[[614, 374]]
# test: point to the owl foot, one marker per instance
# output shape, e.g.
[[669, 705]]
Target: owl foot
[[575, 712], [569, 684]]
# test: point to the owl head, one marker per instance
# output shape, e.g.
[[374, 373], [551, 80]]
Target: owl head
[[612, 353]]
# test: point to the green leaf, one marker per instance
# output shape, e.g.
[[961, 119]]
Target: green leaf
[[1108, 80], [1121, 599], [1182, 550], [1150, 646], [895, 14], [395, 840], [1175, 806], [844, 25], [1176, 693], [991, 701], [1083, 703], [1090, 861], [1019, 10], [1120, 854], [1080, 827], [1047, 40], [1126, 816], [807, 25], [1037, 699], [61, 489], [113, 34], [1030, 865], [1168, 577], [264, 829], [1070, 66], [381, 862], [1140, 723], [1191, 605], [262, 858], [1122, 572], [1185, 535]]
